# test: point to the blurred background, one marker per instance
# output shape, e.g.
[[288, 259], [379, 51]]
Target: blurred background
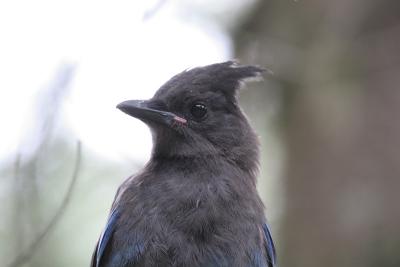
[[327, 115]]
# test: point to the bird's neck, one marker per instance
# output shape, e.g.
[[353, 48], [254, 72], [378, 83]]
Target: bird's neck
[[210, 153], [240, 158], [243, 167]]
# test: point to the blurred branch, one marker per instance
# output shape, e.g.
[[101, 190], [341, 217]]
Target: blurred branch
[[25, 222], [17, 164], [154, 9], [49, 104], [17, 201], [28, 253]]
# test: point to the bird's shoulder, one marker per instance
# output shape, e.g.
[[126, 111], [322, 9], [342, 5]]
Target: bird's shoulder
[[105, 253], [143, 204]]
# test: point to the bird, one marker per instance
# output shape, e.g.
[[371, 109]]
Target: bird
[[195, 202]]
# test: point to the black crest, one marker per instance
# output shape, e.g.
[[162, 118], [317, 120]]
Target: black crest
[[226, 77]]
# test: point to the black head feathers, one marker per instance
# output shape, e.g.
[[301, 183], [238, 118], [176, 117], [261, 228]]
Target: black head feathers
[[225, 77], [196, 113]]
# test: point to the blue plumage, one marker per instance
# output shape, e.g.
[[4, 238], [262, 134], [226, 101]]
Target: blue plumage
[[106, 235], [269, 246]]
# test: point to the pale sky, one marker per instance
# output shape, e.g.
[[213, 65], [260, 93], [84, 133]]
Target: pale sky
[[118, 56]]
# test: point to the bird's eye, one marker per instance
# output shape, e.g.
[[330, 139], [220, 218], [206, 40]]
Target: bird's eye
[[198, 111]]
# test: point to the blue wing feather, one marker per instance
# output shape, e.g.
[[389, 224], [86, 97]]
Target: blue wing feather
[[269, 246], [106, 235], [120, 257]]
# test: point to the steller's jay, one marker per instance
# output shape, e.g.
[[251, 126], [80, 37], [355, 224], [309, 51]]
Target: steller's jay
[[195, 202]]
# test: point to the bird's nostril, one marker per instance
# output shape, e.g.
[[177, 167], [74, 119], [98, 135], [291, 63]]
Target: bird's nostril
[[158, 105]]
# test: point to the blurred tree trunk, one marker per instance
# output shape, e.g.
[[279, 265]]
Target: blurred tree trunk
[[337, 64]]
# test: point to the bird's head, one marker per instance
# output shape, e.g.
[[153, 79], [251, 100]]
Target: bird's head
[[196, 114]]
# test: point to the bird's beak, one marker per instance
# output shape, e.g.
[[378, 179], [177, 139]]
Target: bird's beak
[[140, 110]]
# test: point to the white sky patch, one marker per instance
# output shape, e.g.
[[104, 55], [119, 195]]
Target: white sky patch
[[118, 57]]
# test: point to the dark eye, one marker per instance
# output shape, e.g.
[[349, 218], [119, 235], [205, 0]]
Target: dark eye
[[198, 111]]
